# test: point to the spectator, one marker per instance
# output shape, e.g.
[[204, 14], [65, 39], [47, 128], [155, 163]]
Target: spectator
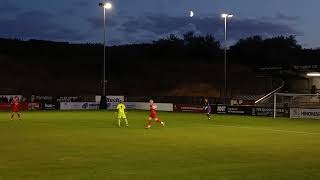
[[3, 99], [313, 89]]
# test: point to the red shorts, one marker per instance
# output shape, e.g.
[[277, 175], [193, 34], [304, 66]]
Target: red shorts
[[15, 110], [153, 115]]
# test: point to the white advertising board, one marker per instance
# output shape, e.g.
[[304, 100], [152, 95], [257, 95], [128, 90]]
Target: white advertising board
[[116, 99], [113, 105], [79, 106], [305, 113], [161, 106], [143, 106]]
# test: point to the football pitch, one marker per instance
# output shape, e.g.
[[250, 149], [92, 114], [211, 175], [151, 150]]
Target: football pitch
[[89, 146]]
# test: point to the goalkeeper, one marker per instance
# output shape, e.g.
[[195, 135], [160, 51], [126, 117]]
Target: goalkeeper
[[121, 108]]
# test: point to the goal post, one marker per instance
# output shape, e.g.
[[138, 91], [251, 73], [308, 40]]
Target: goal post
[[275, 105], [298, 105]]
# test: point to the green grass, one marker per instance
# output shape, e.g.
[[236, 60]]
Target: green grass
[[88, 146]]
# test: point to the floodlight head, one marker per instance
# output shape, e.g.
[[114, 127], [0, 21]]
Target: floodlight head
[[224, 15], [106, 5], [313, 74]]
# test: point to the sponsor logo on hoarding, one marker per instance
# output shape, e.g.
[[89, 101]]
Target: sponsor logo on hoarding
[[268, 111], [79, 106], [49, 106], [85, 106], [42, 97], [33, 106], [235, 110], [222, 109], [304, 113], [310, 114], [114, 99], [192, 108], [188, 108]]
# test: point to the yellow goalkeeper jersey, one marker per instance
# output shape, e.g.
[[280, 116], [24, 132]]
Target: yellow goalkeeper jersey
[[121, 108]]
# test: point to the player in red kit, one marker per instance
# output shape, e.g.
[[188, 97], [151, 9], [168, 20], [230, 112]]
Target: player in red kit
[[15, 105], [153, 115]]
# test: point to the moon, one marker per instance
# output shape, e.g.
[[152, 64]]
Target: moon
[[191, 14]]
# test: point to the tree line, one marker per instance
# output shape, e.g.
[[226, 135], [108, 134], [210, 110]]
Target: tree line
[[190, 47], [159, 67]]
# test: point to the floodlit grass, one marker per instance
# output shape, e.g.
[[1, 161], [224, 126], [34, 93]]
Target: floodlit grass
[[88, 145]]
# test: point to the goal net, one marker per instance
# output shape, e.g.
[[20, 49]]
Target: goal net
[[298, 105]]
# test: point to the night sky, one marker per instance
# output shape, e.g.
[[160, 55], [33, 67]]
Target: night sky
[[136, 21]]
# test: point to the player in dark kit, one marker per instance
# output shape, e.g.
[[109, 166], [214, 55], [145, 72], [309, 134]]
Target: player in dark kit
[[15, 107], [207, 108]]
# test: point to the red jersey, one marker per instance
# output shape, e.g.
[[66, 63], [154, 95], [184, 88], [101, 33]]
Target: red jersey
[[153, 112], [15, 105]]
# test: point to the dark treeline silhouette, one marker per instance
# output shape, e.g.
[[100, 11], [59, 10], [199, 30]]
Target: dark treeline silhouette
[[274, 51], [253, 50], [169, 66]]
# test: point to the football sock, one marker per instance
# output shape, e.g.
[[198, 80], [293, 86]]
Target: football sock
[[159, 121], [119, 122]]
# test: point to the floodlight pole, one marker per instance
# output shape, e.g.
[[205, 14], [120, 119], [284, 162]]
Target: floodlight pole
[[104, 52], [105, 6], [225, 60], [225, 16]]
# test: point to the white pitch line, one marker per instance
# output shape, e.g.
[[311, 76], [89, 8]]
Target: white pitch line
[[266, 129]]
